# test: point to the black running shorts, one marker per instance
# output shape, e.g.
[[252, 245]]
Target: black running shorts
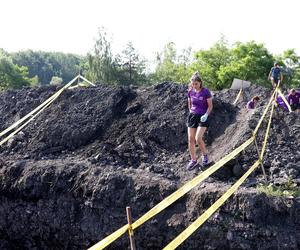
[[276, 80], [193, 121]]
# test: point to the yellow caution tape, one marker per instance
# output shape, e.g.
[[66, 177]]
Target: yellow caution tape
[[238, 96], [267, 133], [196, 224], [130, 231], [190, 185], [177, 194], [265, 112], [187, 187], [83, 78], [17, 123], [109, 239], [27, 116], [85, 83], [284, 99], [81, 84], [74, 87], [29, 120]]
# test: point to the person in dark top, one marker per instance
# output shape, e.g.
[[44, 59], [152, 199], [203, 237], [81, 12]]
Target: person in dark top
[[275, 75], [200, 106]]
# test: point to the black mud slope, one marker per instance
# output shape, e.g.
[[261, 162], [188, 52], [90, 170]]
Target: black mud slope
[[66, 179]]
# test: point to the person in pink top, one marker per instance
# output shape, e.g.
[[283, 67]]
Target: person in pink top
[[200, 106]]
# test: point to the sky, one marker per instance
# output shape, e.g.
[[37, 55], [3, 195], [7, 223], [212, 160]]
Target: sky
[[71, 26]]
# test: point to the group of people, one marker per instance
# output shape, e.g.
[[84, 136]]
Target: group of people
[[293, 97], [200, 107]]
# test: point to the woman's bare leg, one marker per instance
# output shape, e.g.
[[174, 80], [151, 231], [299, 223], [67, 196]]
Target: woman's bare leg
[[192, 142], [199, 138]]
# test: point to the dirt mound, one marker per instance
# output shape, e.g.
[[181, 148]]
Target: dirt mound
[[66, 179]]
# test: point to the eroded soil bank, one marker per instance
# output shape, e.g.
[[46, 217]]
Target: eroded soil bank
[[66, 179]]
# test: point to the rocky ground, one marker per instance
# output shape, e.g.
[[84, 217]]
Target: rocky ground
[[66, 179]]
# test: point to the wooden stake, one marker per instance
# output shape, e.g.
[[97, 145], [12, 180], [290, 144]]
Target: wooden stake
[[130, 231]]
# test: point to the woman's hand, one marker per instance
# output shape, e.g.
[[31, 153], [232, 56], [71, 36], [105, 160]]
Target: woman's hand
[[204, 117]]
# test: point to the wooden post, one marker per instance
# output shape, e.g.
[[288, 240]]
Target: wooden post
[[78, 79], [260, 160], [130, 231], [242, 93]]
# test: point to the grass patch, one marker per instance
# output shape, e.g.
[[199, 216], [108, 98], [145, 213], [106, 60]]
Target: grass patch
[[287, 189]]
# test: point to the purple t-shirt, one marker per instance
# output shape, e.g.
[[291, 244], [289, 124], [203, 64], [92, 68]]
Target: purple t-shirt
[[281, 103], [199, 100], [293, 99], [250, 105]]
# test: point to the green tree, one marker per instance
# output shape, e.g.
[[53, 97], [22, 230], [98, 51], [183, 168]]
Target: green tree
[[101, 63], [166, 63], [56, 80], [209, 62], [171, 66], [131, 66], [291, 68], [11, 75], [35, 81], [45, 65], [249, 61]]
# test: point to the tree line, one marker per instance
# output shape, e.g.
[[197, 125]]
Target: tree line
[[218, 65]]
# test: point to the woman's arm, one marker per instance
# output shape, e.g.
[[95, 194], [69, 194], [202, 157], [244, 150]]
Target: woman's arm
[[269, 76], [189, 104], [210, 105]]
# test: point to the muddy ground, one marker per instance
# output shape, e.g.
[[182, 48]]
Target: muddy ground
[[66, 179]]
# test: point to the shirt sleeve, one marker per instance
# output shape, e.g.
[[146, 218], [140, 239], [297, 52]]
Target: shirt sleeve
[[208, 94]]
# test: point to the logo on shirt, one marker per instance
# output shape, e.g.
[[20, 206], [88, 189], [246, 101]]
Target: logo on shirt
[[199, 98]]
